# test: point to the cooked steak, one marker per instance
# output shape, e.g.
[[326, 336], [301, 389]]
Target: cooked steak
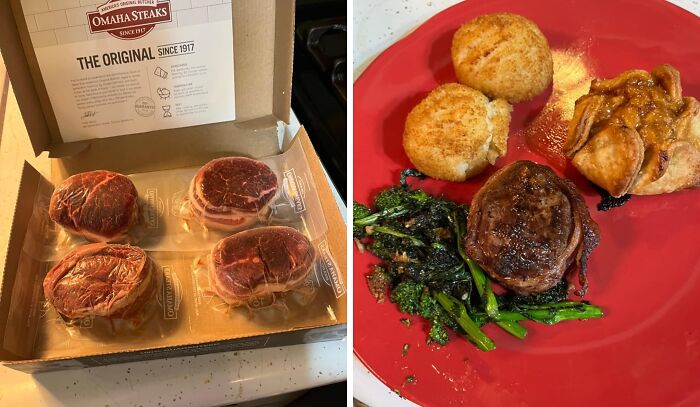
[[99, 205], [100, 279], [527, 227], [259, 261], [231, 193]]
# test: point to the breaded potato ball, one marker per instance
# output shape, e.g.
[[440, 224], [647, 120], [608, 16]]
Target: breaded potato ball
[[456, 132], [504, 56]]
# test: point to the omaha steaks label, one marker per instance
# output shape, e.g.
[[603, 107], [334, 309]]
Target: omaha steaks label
[[129, 19], [153, 208], [329, 269], [172, 293], [293, 188]]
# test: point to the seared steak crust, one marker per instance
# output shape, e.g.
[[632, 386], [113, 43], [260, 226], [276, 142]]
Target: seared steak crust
[[527, 227]]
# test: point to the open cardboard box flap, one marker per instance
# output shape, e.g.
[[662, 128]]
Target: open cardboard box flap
[[263, 35], [263, 50]]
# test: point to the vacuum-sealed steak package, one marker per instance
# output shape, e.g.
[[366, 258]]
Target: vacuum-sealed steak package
[[259, 262], [102, 280], [187, 209], [98, 205], [232, 193], [251, 258]]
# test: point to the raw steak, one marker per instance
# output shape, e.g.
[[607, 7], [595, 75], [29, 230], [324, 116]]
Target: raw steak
[[259, 261], [231, 193], [101, 279], [527, 227], [99, 205]]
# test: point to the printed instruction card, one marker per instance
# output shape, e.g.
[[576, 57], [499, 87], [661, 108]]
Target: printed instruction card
[[114, 67]]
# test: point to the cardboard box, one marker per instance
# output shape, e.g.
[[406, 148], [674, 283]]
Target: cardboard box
[[263, 36]]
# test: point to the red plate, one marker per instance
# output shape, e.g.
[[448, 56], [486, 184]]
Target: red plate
[[646, 350]]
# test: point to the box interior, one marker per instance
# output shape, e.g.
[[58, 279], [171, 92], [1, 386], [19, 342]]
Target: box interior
[[23, 277]]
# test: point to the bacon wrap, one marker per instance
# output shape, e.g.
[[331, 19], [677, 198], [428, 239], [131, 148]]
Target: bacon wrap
[[101, 279], [232, 193], [258, 262]]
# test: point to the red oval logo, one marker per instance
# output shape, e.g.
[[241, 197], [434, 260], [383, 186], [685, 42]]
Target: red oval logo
[[129, 19]]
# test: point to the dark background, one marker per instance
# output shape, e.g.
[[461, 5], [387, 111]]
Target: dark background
[[319, 82], [318, 99]]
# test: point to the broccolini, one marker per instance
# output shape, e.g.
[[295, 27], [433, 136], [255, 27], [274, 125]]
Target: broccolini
[[419, 239]]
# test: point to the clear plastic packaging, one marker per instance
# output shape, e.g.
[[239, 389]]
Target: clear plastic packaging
[[184, 308], [256, 264], [113, 281], [166, 221], [231, 194]]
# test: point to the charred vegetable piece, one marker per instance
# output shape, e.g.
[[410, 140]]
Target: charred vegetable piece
[[379, 282], [458, 312]]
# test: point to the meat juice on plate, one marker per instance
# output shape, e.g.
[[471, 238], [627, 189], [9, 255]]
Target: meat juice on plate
[[546, 133]]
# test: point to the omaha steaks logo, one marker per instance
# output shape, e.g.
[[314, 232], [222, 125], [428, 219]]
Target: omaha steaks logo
[[293, 188], [171, 295], [153, 208], [129, 19], [329, 270]]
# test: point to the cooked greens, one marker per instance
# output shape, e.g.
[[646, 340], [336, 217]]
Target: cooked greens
[[427, 272]]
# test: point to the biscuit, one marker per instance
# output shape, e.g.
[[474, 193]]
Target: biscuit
[[504, 56], [456, 132]]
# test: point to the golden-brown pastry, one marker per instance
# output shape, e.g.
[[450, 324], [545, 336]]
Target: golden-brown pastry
[[611, 159], [637, 134], [504, 56], [456, 132]]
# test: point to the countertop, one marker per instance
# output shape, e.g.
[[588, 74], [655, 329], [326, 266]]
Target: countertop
[[215, 379], [376, 25]]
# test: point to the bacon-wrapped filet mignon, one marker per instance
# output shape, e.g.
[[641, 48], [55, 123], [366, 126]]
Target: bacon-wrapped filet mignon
[[100, 279], [527, 227], [98, 205], [232, 193], [259, 261]]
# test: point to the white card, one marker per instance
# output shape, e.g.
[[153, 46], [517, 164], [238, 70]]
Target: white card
[[132, 66]]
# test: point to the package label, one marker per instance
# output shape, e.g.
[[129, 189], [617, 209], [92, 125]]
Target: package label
[[293, 189], [329, 269], [171, 297], [130, 66]]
